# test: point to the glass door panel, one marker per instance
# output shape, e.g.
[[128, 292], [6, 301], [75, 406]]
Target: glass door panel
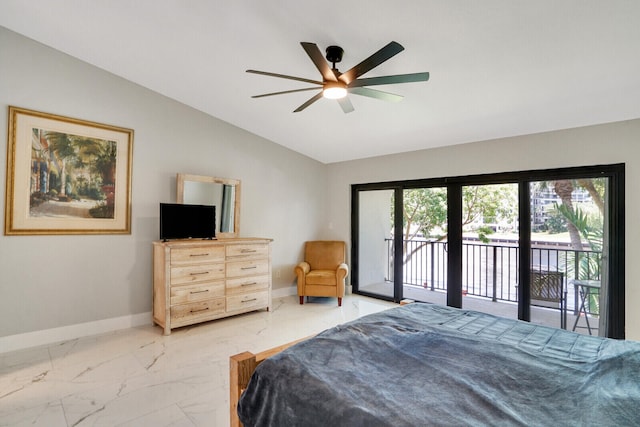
[[490, 248], [567, 241], [424, 244], [375, 243]]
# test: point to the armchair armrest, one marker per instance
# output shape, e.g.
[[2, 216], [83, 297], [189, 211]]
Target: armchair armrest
[[301, 271], [342, 271], [302, 267]]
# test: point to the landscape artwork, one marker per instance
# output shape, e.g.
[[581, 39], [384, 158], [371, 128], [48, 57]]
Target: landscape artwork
[[78, 175], [71, 176]]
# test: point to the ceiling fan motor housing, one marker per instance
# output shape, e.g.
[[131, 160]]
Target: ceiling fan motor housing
[[334, 54]]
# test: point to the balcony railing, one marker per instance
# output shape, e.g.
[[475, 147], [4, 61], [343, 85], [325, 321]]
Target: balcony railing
[[491, 270]]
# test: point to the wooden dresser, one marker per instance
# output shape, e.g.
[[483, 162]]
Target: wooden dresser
[[199, 280]]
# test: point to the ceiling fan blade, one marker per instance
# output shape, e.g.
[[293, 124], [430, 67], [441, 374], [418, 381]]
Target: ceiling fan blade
[[378, 94], [318, 59], [309, 102], [284, 92], [345, 104], [387, 80], [283, 76], [387, 52]]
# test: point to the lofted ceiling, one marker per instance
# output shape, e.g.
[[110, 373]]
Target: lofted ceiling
[[497, 68]]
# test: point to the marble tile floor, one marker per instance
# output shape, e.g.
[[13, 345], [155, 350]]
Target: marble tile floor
[[138, 377]]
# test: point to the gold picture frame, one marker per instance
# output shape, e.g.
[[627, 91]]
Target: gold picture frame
[[66, 176]]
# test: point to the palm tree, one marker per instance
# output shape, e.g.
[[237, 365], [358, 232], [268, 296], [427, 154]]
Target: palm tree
[[596, 196], [62, 147], [564, 190]]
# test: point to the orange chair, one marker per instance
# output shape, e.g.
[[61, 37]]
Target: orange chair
[[323, 270]]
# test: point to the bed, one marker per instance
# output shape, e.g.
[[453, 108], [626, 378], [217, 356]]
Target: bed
[[425, 364]]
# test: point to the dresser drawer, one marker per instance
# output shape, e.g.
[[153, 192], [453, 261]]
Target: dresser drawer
[[247, 284], [247, 268], [252, 301], [184, 313], [196, 273], [198, 255], [186, 293], [247, 251]]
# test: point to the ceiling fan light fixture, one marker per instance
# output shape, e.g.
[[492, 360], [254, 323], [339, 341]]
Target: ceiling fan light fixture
[[334, 90]]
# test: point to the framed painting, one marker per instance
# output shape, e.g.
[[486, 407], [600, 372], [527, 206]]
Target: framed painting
[[66, 176]]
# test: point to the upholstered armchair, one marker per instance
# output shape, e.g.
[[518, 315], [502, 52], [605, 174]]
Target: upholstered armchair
[[323, 270]]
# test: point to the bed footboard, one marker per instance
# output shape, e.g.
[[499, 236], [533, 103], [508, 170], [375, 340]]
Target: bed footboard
[[241, 367]]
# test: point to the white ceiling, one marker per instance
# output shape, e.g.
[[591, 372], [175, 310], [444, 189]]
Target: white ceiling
[[497, 67]]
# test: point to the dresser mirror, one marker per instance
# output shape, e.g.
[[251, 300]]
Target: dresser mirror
[[223, 193]]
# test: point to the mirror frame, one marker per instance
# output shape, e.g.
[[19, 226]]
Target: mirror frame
[[181, 178]]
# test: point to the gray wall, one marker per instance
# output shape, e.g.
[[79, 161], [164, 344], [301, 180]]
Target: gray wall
[[593, 145], [55, 281]]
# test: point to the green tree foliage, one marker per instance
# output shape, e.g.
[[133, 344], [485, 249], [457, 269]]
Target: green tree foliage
[[425, 213], [556, 222], [591, 229], [484, 207], [78, 153], [566, 216]]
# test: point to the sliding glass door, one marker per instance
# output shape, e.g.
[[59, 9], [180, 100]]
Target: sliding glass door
[[424, 244], [490, 237], [542, 246], [567, 280], [376, 253]]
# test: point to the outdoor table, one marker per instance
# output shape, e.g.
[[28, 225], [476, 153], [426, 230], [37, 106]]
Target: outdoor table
[[585, 288]]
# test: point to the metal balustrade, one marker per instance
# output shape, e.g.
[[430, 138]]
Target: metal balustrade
[[491, 270]]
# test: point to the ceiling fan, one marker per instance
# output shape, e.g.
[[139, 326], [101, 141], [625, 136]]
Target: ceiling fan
[[336, 85]]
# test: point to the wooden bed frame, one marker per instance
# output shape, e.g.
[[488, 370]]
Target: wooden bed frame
[[241, 367]]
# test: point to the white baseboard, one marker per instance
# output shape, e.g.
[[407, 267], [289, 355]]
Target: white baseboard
[[293, 290], [65, 333], [284, 292]]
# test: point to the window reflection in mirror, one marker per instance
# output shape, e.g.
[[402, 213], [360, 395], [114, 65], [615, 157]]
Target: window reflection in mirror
[[220, 192]]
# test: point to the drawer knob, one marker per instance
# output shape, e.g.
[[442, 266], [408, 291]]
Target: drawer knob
[[248, 251], [199, 292], [194, 255], [249, 284], [199, 273], [250, 300], [249, 268], [199, 310]]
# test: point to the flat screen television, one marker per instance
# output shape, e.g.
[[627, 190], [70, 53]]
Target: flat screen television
[[178, 221]]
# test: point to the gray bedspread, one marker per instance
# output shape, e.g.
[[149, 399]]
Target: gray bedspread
[[424, 364]]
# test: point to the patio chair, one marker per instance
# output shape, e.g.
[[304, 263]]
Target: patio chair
[[547, 290]]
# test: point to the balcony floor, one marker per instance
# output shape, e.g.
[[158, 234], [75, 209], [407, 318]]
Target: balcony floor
[[539, 315]]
